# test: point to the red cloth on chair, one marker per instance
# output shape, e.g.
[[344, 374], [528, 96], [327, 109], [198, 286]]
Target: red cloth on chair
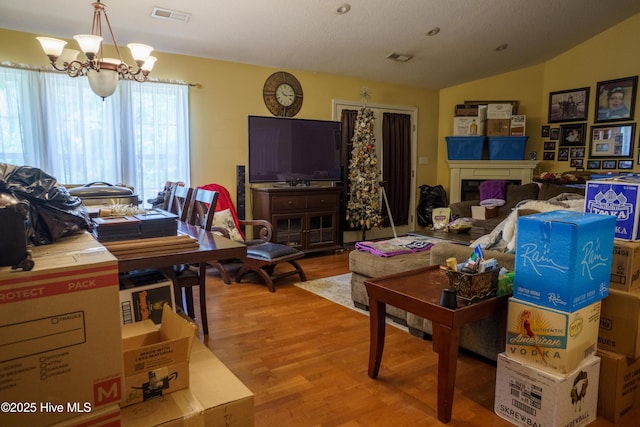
[[224, 202]]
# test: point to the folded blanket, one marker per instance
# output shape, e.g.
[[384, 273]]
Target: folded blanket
[[492, 189], [397, 246]]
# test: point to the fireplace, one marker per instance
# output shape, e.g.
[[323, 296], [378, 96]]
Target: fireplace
[[468, 171]]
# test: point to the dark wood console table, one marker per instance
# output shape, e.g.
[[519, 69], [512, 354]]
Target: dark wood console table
[[303, 217], [418, 291]]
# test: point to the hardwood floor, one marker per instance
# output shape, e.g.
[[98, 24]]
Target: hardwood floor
[[305, 359]]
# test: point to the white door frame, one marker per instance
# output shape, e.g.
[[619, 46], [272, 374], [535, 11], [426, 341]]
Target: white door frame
[[386, 232]]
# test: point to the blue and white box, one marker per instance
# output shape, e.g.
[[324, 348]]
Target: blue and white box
[[617, 197], [563, 259]]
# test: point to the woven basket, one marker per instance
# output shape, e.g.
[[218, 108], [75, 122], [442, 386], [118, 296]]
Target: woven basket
[[474, 286]]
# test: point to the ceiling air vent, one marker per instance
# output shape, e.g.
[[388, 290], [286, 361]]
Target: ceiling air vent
[[400, 57], [173, 15]]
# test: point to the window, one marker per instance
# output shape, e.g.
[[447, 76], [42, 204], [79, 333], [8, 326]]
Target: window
[[139, 136]]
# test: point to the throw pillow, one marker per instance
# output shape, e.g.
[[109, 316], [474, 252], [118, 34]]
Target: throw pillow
[[224, 219]]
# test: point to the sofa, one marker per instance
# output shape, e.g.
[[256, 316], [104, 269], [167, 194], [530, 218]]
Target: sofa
[[483, 338], [514, 194]]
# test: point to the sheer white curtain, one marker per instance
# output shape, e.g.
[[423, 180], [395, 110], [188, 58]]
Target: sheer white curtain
[[155, 140], [139, 136], [21, 129], [81, 131]]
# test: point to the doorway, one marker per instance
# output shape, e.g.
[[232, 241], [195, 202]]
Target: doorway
[[409, 187]]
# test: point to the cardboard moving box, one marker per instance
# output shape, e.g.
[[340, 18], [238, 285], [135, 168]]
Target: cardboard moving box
[[156, 360], [625, 266], [527, 396], [619, 389], [215, 397], [620, 323], [483, 212], [60, 332]]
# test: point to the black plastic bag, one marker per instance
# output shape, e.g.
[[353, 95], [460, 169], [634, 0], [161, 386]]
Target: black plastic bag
[[431, 197], [53, 212]]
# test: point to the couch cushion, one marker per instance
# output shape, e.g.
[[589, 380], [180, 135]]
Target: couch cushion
[[549, 190], [370, 265], [516, 194]]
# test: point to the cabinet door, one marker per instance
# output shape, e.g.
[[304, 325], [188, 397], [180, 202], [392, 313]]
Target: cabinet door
[[289, 229], [322, 230]]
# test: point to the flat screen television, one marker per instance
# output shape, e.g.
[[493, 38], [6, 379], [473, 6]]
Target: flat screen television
[[286, 149]]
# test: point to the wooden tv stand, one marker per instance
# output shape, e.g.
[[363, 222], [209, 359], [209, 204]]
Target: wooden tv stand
[[303, 217]]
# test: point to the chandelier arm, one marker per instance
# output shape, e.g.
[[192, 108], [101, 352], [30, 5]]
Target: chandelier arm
[[77, 68], [115, 42]]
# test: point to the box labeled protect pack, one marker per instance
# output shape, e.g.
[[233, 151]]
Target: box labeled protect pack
[[527, 396], [619, 389], [619, 198], [625, 266], [552, 340], [620, 323], [563, 259], [156, 360], [143, 296], [60, 332]]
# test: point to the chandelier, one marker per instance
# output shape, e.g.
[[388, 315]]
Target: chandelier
[[103, 73]]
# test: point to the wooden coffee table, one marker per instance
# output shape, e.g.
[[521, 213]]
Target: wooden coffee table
[[418, 291]]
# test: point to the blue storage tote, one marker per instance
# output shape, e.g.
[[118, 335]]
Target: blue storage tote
[[464, 147], [507, 147]]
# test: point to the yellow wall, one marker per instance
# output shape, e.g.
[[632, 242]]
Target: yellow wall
[[612, 54], [232, 91]]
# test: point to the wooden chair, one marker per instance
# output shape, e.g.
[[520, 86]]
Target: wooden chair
[[179, 201], [198, 207]]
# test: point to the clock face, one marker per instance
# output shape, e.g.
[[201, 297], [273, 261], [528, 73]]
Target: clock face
[[282, 94]]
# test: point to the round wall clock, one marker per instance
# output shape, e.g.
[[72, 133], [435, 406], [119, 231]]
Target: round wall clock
[[282, 94]]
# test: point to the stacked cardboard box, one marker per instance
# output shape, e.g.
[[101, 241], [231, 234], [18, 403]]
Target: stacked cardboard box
[[469, 120], [549, 373], [619, 333], [60, 334]]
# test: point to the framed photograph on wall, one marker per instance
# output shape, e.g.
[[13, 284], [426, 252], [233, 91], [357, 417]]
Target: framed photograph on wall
[[572, 135], [577, 163], [544, 132], [554, 133], [568, 105], [550, 145], [576, 152], [548, 155], [625, 164], [608, 164], [563, 154], [593, 164], [615, 99], [612, 141]]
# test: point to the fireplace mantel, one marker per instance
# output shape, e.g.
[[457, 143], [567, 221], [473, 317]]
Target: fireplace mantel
[[521, 170]]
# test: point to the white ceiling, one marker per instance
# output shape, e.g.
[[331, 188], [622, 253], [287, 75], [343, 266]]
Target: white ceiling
[[310, 35]]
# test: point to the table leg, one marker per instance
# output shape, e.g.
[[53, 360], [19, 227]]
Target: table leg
[[448, 341], [377, 314]]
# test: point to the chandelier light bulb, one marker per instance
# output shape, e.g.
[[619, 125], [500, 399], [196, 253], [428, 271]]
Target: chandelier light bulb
[[89, 43], [149, 63], [140, 52]]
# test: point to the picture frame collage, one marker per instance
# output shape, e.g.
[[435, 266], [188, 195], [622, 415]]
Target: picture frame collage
[[606, 144]]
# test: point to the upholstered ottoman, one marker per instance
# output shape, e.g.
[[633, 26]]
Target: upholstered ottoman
[[364, 266]]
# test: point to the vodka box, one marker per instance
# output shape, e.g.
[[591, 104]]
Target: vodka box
[[620, 323], [618, 197], [552, 340], [527, 396], [563, 259]]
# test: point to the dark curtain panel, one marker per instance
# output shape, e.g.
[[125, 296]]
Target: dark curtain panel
[[396, 165], [348, 127]]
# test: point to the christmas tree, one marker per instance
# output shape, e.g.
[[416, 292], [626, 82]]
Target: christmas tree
[[363, 208]]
